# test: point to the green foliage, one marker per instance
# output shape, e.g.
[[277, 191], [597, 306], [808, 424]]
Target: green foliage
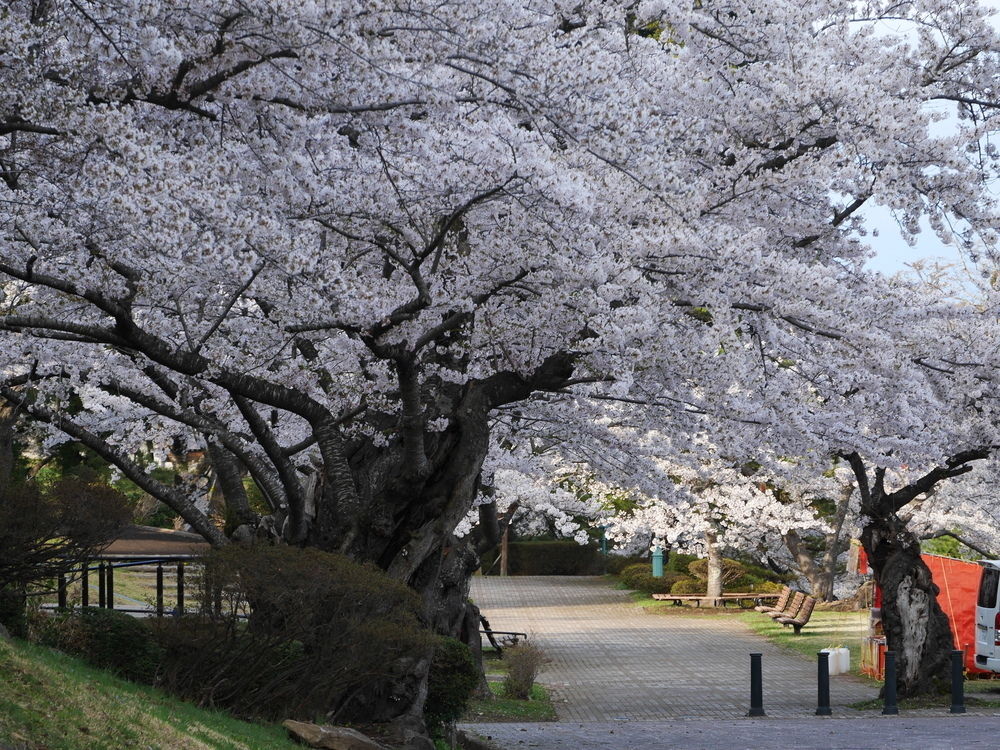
[[454, 676], [291, 633], [689, 587], [523, 660], [107, 639], [549, 558], [615, 564], [48, 530], [752, 583], [948, 546], [678, 562], [651, 585], [629, 573]]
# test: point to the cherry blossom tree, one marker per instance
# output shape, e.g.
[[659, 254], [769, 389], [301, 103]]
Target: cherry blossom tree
[[327, 244]]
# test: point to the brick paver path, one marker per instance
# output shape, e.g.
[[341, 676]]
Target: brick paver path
[[626, 680], [613, 662]]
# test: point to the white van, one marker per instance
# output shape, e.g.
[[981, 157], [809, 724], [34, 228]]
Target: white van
[[988, 617]]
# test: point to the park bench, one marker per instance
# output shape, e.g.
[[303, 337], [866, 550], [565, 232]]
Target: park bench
[[714, 601], [500, 639], [778, 606], [792, 610], [799, 620]]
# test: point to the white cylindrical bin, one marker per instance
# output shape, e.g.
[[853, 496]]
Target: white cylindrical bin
[[840, 660], [845, 660]]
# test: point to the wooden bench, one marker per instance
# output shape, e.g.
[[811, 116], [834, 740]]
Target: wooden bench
[[714, 601], [779, 606], [799, 620], [792, 609]]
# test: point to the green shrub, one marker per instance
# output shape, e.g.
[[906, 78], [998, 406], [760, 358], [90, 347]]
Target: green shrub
[[523, 660], [731, 570], [107, 639], [664, 585], [678, 562], [454, 676], [689, 587], [615, 564], [752, 583], [298, 632], [630, 573]]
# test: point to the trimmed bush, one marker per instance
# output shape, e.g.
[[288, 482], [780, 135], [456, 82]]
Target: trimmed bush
[[291, 633], [454, 676], [523, 663], [648, 583], [689, 587], [615, 564], [678, 563], [631, 573], [107, 639]]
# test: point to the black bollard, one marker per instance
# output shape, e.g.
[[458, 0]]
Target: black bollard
[[823, 709], [890, 708], [957, 683], [756, 687]]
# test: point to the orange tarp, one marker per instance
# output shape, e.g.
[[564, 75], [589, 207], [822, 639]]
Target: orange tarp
[[958, 582]]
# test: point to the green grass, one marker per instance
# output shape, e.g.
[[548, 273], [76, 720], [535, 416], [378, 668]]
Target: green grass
[[537, 708], [49, 701], [824, 630]]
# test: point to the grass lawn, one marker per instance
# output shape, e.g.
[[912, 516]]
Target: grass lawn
[[538, 708], [49, 701], [824, 630]]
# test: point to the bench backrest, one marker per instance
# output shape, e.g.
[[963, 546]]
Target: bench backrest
[[786, 594], [807, 609], [795, 606]]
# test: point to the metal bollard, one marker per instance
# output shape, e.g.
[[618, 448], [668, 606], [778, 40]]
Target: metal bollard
[[957, 683], [890, 708], [823, 709], [756, 686]]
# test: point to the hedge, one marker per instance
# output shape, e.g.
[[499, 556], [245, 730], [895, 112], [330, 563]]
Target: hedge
[[558, 558]]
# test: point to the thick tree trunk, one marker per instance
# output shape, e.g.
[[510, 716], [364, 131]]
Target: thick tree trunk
[[915, 626]]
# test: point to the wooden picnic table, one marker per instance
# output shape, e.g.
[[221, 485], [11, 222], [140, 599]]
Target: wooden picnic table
[[716, 601]]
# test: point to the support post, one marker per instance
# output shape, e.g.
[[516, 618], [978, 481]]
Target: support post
[[85, 585], [101, 587], [657, 562], [756, 686], [890, 708], [159, 589], [823, 703], [180, 588], [110, 571], [957, 682]]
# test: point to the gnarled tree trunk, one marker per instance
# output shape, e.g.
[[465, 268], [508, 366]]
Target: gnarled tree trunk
[[916, 629]]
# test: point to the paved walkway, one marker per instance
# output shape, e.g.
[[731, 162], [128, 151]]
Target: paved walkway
[[621, 678]]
